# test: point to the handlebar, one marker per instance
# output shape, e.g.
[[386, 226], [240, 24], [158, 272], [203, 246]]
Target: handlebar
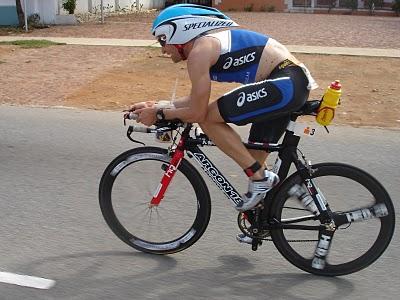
[[160, 126], [129, 116], [142, 129]]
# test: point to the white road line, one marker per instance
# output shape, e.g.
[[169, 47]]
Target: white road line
[[25, 280]]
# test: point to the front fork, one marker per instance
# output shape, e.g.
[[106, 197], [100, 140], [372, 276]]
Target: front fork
[[322, 250], [167, 177], [325, 235]]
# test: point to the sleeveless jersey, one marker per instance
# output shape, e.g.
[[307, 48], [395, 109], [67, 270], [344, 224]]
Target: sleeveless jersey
[[240, 55]]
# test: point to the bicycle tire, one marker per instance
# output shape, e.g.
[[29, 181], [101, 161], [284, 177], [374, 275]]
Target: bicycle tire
[[336, 173], [130, 163]]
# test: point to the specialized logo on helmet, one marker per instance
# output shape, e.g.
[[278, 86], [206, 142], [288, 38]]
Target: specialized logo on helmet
[[230, 61], [207, 24], [250, 97]]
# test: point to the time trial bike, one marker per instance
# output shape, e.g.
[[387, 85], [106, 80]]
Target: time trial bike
[[327, 219]]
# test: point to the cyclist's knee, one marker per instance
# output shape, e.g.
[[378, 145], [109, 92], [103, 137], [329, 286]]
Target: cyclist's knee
[[204, 126], [213, 114]]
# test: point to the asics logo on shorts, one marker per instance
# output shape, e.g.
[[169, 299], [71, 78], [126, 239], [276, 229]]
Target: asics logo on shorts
[[230, 61], [249, 97]]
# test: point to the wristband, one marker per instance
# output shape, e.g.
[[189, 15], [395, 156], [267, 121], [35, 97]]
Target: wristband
[[164, 104]]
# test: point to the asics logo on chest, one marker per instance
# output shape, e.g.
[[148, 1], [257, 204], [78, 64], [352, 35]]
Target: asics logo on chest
[[230, 61], [250, 97]]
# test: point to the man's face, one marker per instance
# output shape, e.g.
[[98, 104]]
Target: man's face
[[171, 50]]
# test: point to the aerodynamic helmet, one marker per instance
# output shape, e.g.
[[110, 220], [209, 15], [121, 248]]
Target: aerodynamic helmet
[[180, 23]]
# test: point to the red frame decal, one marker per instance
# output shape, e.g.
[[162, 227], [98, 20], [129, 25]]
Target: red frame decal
[[168, 175]]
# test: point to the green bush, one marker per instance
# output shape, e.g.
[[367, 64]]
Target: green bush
[[34, 20], [69, 6], [249, 7], [373, 3], [270, 8], [352, 4], [332, 4], [396, 7]]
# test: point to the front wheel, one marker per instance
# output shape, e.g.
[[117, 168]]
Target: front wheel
[[126, 189], [353, 196]]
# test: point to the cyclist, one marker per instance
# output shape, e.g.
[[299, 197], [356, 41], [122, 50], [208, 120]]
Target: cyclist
[[274, 82]]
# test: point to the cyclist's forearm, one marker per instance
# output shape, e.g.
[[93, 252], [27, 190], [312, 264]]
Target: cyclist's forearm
[[185, 114], [181, 102]]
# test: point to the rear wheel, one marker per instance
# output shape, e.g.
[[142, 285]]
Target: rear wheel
[[126, 189], [355, 245]]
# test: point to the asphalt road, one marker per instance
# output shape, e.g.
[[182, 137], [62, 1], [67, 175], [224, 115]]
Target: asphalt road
[[51, 225]]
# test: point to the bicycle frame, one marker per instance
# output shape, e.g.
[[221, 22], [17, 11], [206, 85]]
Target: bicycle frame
[[287, 155]]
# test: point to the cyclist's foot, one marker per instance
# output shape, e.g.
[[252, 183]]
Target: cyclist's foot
[[242, 238], [257, 191]]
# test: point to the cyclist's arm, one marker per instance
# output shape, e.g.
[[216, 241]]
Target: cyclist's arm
[[177, 103], [181, 102], [199, 62]]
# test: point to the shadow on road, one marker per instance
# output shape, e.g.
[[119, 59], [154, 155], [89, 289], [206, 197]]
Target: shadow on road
[[123, 275]]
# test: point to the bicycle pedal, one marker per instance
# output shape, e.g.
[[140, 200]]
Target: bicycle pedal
[[254, 247], [255, 244]]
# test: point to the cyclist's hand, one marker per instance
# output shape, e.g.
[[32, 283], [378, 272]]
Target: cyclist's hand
[[146, 115], [141, 105]]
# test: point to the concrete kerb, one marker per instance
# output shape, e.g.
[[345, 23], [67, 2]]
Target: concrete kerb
[[151, 43]]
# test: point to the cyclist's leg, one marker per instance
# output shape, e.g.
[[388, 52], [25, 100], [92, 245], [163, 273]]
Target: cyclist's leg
[[228, 140], [266, 132], [266, 104], [253, 103], [261, 181], [230, 143]]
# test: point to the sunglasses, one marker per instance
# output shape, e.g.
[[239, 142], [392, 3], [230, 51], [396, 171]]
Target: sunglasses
[[162, 39]]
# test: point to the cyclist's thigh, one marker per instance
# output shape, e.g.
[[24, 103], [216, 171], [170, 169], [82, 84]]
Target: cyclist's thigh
[[213, 114], [265, 100]]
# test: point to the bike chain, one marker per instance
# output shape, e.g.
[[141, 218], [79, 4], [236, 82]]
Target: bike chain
[[293, 241], [245, 230]]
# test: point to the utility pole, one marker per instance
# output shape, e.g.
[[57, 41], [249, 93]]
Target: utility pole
[[26, 16]]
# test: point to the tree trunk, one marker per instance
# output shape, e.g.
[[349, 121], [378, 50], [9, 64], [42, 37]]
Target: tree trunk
[[20, 13]]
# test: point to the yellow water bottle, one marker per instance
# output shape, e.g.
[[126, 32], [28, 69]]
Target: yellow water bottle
[[330, 100]]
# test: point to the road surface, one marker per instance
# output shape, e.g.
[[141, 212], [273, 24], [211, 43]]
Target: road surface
[[51, 225]]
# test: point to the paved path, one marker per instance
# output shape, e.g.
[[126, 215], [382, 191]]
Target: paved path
[[152, 43]]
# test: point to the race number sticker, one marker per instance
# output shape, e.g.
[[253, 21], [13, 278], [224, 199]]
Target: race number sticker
[[304, 130], [309, 131]]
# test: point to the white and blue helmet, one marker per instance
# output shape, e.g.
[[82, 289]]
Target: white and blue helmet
[[181, 23]]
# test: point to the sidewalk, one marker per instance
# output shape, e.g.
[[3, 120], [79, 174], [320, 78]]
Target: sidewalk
[[151, 43]]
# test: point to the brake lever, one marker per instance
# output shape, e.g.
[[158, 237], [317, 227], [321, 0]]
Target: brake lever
[[126, 117], [128, 134]]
